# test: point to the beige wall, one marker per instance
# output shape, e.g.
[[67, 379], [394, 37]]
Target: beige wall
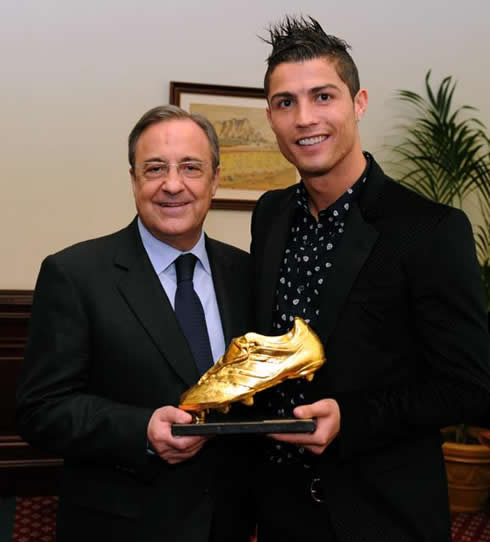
[[77, 75]]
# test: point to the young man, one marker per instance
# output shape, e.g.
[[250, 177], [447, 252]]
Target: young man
[[390, 283], [108, 355]]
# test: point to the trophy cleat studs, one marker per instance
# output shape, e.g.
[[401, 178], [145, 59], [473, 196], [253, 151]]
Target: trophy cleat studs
[[249, 401], [199, 417], [253, 363]]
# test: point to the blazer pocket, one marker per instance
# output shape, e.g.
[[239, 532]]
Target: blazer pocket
[[377, 293], [403, 455], [379, 302], [104, 490]]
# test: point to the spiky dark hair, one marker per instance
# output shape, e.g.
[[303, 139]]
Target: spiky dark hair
[[296, 39]]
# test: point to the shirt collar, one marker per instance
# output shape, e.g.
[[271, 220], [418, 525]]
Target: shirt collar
[[162, 255], [350, 195]]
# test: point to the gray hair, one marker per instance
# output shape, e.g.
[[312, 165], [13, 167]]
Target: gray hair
[[164, 113]]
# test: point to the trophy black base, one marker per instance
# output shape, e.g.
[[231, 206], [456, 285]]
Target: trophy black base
[[282, 425]]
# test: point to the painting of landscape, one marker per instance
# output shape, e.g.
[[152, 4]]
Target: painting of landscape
[[250, 158]]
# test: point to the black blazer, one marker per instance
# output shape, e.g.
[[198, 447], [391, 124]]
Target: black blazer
[[405, 330], [105, 351]]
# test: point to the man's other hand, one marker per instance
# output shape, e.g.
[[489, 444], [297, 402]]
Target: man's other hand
[[327, 415], [159, 432]]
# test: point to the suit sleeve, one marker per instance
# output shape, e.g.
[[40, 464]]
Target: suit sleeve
[[55, 409], [451, 382]]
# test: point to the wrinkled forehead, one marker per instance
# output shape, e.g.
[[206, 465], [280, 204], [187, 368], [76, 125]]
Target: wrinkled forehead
[[173, 139]]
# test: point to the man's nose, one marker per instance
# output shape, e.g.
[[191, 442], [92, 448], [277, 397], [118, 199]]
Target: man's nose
[[305, 114], [173, 182]]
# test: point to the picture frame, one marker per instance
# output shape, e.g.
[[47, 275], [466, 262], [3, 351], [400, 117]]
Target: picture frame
[[251, 162]]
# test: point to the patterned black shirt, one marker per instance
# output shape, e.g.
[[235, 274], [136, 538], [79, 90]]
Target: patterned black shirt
[[307, 259]]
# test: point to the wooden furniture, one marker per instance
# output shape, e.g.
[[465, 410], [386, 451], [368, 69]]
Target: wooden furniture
[[23, 469]]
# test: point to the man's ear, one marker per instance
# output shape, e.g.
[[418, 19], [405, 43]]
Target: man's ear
[[360, 103], [215, 181], [268, 115], [133, 179]]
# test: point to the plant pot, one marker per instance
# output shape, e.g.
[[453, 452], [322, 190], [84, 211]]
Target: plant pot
[[468, 473]]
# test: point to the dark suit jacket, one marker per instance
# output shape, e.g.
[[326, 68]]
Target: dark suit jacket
[[405, 330], [105, 351]]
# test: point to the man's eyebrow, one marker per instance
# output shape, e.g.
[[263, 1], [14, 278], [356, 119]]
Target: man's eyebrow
[[313, 90], [155, 159], [161, 160], [327, 86], [284, 94], [191, 159]]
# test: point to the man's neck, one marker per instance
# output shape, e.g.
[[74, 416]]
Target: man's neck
[[323, 190]]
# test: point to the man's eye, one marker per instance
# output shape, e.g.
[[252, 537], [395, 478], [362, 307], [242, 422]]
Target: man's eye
[[192, 167], [323, 97], [286, 102], [152, 170]]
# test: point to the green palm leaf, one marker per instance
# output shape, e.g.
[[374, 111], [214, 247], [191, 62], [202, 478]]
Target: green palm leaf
[[444, 154]]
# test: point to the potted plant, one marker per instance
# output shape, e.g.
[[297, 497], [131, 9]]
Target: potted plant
[[466, 452], [482, 240], [444, 154]]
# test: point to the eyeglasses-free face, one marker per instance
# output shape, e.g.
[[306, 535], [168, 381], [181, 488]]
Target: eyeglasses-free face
[[315, 120], [173, 181]]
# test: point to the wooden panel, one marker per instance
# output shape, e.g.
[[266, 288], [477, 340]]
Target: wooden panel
[[23, 469], [9, 367], [15, 310]]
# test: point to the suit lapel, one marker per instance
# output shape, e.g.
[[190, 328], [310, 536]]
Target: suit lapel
[[229, 283], [143, 292], [222, 281], [356, 244], [274, 246]]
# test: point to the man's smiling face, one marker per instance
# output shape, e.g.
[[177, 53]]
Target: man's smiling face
[[173, 208], [314, 116]]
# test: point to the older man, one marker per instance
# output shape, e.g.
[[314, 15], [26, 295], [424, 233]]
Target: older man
[[111, 350]]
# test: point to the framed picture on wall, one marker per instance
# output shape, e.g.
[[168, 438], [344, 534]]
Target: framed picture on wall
[[251, 162]]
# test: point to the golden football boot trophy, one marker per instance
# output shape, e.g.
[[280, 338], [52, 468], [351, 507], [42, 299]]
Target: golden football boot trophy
[[253, 363]]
